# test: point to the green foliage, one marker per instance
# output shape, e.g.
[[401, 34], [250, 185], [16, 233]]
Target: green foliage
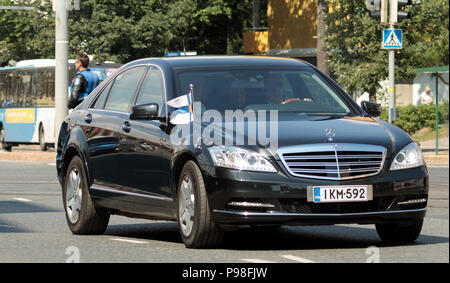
[[26, 34], [413, 118], [353, 41], [426, 38], [122, 31]]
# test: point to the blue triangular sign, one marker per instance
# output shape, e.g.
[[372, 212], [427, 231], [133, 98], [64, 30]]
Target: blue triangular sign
[[392, 39]]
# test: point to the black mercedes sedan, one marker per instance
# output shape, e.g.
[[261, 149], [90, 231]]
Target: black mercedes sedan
[[215, 143]]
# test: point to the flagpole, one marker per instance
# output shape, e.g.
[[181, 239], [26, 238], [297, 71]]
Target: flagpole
[[196, 137], [191, 86]]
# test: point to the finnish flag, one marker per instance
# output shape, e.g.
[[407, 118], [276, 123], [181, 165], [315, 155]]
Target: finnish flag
[[183, 113]]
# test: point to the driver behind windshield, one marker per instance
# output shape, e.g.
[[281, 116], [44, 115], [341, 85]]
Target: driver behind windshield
[[274, 91]]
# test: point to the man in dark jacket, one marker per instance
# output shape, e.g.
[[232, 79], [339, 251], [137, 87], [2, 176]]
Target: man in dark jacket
[[84, 83]]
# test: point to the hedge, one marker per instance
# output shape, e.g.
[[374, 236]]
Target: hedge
[[413, 118]]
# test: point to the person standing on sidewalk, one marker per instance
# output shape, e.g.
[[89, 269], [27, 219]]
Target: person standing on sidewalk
[[84, 83], [427, 96]]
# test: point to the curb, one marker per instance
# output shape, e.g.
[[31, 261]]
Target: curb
[[21, 156], [437, 158], [437, 161]]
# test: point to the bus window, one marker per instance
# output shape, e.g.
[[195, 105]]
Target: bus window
[[46, 96], [3, 90], [11, 89], [25, 96]]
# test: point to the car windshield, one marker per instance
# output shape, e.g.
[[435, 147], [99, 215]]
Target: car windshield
[[290, 90]]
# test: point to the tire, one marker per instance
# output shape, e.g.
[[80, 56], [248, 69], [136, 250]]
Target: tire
[[403, 232], [193, 213], [4, 146], [42, 143], [83, 218]]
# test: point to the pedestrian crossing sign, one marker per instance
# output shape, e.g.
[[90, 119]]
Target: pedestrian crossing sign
[[392, 39]]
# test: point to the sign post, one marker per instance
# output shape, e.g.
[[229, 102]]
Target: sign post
[[437, 113], [392, 40], [395, 10]]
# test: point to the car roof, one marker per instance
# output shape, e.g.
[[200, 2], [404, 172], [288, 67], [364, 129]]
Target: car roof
[[224, 61]]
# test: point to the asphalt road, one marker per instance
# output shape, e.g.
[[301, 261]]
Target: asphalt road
[[33, 229]]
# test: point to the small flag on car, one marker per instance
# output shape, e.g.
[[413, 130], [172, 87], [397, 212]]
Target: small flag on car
[[183, 113]]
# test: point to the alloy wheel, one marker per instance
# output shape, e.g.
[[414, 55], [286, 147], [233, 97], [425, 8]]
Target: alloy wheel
[[187, 206], [74, 196]]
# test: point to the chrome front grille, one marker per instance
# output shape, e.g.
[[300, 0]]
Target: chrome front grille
[[333, 161]]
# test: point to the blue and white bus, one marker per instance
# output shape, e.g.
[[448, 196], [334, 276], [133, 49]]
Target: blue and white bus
[[27, 101]]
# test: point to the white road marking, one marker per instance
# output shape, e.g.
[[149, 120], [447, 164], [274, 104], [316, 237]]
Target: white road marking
[[22, 199], [128, 241], [52, 164], [297, 259], [437, 166], [28, 182], [255, 260]]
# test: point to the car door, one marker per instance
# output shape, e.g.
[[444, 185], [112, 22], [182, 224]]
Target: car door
[[144, 161], [104, 126]]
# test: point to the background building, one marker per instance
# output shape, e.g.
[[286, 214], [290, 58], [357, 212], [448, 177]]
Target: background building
[[291, 31]]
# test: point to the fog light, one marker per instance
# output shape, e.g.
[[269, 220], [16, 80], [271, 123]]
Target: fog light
[[413, 201], [245, 204]]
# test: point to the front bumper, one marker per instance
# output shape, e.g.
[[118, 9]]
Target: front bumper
[[267, 218], [278, 198]]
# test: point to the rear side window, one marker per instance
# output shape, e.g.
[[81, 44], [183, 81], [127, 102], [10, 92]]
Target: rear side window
[[123, 90]]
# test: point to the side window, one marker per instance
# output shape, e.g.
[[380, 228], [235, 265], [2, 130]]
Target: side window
[[123, 89], [46, 88], [100, 102], [152, 90]]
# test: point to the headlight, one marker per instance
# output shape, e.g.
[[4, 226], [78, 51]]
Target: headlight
[[240, 159], [409, 157]]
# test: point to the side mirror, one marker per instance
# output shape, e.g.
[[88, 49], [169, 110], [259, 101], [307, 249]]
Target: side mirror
[[372, 108], [145, 112]]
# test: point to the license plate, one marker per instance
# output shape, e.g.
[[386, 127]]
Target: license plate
[[327, 194]]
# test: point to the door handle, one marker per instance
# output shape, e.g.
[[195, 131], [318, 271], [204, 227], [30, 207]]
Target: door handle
[[88, 118], [126, 127]]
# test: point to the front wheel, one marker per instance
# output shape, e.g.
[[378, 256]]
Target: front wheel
[[402, 232], [193, 215], [82, 216]]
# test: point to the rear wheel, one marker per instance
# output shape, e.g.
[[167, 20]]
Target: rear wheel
[[194, 216], [82, 216], [4, 146], [42, 143], [402, 232]]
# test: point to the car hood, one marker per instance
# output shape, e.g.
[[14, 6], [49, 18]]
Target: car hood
[[295, 131]]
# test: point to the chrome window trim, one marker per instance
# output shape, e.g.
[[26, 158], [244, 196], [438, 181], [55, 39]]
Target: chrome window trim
[[111, 80], [334, 147], [115, 191]]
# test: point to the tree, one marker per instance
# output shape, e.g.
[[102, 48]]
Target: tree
[[122, 31], [322, 55], [353, 41], [26, 34], [426, 38]]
